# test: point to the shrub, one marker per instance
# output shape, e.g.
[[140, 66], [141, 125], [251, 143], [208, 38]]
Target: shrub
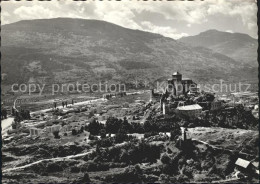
[[75, 169], [74, 132], [120, 137], [91, 137], [103, 133], [94, 127], [182, 178], [164, 178], [103, 167], [91, 166], [86, 178], [150, 178], [149, 134], [165, 159], [107, 142], [131, 174], [117, 165], [53, 167]]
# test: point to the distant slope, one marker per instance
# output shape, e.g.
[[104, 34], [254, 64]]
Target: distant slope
[[64, 50], [240, 47]]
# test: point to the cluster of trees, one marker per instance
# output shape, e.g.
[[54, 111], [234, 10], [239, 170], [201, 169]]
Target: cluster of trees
[[182, 166], [3, 113], [121, 128], [76, 132], [191, 99], [132, 174], [236, 117], [22, 115], [114, 126], [132, 152], [176, 167], [232, 118]]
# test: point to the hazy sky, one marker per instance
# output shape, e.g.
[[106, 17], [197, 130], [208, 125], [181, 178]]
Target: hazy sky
[[169, 18]]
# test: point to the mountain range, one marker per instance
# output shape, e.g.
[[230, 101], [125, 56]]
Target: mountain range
[[240, 47], [66, 50]]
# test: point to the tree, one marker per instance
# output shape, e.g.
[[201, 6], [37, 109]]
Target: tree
[[56, 134], [121, 137], [86, 178], [176, 131], [165, 159], [73, 131], [148, 126], [164, 178], [53, 167], [82, 129], [113, 125], [94, 127], [91, 114], [103, 133]]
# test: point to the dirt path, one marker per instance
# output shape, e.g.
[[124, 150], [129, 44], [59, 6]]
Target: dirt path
[[75, 104], [49, 159]]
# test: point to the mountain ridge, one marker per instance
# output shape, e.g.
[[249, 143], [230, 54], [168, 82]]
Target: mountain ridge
[[238, 46], [67, 50]]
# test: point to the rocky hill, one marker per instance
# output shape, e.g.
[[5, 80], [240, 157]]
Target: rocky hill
[[64, 50], [240, 47]]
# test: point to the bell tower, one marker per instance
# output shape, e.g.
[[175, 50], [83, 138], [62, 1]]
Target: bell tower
[[177, 83]]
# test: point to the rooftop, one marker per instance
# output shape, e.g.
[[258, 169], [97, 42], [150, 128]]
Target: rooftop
[[242, 163], [189, 107], [186, 79], [176, 73]]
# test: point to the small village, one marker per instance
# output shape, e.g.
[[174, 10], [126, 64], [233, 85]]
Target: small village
[[178, 135]]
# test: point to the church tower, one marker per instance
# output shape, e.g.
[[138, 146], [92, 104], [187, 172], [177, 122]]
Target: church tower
[[177, 83]]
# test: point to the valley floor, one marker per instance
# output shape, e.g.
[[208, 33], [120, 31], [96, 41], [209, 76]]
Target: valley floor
[[209, 156]]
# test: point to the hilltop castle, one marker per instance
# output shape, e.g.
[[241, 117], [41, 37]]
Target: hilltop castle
[[180, 86], [176, 86]]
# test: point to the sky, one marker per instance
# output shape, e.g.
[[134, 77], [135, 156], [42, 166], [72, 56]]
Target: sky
[[173, 19]]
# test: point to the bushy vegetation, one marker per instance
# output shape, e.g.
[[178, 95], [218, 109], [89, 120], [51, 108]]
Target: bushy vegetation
[[130, 174], [56, 134], [132, 152]]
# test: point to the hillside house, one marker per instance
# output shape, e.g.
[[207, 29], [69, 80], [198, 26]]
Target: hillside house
[[247, 167], [215, 105], [35, 131], [53, 128]]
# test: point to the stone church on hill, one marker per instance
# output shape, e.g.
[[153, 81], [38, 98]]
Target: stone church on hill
[[179, 86]]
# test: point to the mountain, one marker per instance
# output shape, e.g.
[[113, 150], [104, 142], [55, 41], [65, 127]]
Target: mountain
[[65, 50], [240, 47]]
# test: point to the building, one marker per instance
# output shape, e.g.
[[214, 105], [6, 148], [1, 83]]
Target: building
[[179, 86], [35, 132], [53, 128], [242, 164], [215, 105], [247, 167], [66, 128], [189, 110]]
